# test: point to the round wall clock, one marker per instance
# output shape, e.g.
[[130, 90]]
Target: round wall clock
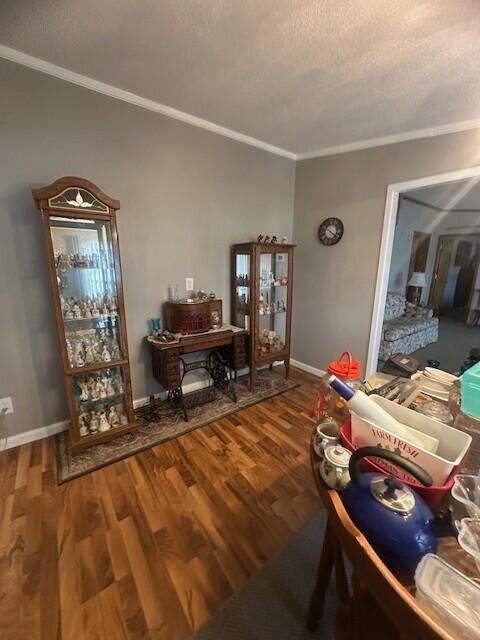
[[330, 231]]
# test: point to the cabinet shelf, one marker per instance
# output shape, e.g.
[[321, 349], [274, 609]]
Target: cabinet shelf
[[102, 316], [87, 404]]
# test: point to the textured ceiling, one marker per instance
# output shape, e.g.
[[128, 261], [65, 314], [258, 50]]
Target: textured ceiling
[[463, 194], [298, 74]]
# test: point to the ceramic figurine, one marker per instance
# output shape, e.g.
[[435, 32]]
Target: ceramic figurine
[[89, 355], [105, 310], [113, 417], [95, 311], [266, 239], [83, 424], [260, 238], [274, 240], [94, 422], [284, 240], [87, 313], [212, 295], [109, 387], [69, 351], [123, 419], [115, 349], [79, 361], [102, 390], [77, 313], [94, 390], [84, 396], [103, 424], [68, 314], [106, 356], [113, 307]]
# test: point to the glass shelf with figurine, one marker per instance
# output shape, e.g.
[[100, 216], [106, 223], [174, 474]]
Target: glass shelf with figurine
[[99, 401]]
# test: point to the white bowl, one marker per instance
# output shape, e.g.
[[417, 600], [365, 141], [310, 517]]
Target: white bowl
[[438, 395], [442, 387], [440, 376]]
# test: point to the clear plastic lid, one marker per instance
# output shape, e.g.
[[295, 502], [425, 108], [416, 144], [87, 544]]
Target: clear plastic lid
[[452, 596]]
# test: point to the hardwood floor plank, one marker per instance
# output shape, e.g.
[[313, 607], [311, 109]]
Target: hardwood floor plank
[[150, 547]]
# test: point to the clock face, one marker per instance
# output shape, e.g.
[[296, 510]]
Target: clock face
[[330, 231]]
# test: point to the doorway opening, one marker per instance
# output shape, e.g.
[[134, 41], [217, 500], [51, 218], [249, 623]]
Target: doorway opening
[[427, 299]]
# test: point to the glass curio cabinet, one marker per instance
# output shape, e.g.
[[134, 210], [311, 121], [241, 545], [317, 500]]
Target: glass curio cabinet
[[80, 232], [262, 300]]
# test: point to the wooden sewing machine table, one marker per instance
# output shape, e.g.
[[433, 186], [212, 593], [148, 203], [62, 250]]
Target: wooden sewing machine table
[[228, 353]]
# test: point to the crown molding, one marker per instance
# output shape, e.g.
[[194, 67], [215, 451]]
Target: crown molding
[[434, 207], [132, 98], [126, 96], [418, 134]]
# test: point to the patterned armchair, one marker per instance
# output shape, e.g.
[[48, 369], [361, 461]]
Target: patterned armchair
[[406, 327]]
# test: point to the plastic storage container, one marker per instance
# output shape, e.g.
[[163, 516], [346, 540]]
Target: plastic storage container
[[452, 443], [470, 391], [451, 598], [433, 495], [347, 369]]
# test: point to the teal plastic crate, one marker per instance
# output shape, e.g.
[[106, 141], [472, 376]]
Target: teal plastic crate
[[470, 389]]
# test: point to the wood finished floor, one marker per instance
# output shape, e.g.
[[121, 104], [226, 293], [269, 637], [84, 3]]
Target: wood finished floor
[[151, 546]]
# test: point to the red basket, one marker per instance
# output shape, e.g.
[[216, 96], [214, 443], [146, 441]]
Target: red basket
[[432, 495]]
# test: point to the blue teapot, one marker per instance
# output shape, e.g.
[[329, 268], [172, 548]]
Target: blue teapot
[[392, 517]]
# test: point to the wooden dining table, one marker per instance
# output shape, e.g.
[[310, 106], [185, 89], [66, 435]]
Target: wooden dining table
[[372, 602]]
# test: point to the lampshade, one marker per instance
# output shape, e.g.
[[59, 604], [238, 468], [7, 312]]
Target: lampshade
[[418, 279]]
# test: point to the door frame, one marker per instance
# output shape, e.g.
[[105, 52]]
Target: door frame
[[388, 233]]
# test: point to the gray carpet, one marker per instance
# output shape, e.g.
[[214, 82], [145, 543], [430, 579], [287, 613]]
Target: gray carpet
[[273, 604], [455, 340]]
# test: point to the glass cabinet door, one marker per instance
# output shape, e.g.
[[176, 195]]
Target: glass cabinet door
[[241, 310], [99, 399], [272, 303], [85, 272]]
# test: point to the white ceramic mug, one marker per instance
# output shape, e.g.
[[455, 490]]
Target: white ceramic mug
[[326, 435]]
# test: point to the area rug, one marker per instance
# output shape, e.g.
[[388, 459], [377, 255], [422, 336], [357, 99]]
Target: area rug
[[274, 603], [159, 422]]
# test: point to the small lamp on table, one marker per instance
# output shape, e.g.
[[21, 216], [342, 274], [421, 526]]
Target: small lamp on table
[[418, 281]]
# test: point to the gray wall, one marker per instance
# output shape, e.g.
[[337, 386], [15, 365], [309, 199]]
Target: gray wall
[[186, 195], [334, 286]]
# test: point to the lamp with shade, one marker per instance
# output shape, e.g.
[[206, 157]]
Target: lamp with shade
[[418, 281]]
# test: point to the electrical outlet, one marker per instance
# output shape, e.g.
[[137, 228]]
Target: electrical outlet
[[189, 284], [6, 406]]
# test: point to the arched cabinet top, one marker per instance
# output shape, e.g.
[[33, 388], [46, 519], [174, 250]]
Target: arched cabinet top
[[76, 194]]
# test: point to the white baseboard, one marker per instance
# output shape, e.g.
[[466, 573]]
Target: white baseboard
[[18, 439], [308, 368]]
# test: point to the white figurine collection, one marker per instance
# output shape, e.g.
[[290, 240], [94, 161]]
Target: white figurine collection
[[64, 261], [88, 307], [267, 307], [268, 279], [270, 341], [90, 346], [102, 388]]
